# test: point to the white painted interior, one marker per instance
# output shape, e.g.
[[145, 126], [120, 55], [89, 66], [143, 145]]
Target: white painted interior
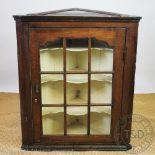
[[145, 70], [53, 119], [77, 90]]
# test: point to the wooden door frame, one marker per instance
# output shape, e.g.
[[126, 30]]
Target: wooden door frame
[[119, 40]]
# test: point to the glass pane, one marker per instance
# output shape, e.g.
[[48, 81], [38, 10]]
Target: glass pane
[[52, 89], [53, 120], [101, 88], [101, 56], [100, 120], [77, 54], [77, 88], [51, 56], [77, 120]]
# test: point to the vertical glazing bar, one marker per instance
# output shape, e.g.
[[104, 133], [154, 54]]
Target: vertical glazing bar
[[64, 75], [89, 84]]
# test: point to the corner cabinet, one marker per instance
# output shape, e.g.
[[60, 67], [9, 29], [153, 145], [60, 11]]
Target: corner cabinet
[[76, 79]]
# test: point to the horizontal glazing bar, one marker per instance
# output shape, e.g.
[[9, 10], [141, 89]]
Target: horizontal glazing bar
[[79, 105], [71, 105], [80, 72], [101, 104], [52, 105]]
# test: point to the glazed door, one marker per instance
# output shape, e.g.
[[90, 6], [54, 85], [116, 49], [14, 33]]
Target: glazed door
[[76, 84]]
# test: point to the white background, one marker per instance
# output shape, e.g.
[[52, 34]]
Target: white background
[[145, 70]]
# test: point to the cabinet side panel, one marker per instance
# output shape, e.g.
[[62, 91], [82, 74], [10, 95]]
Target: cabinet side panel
[[24, 82], [129, 78]]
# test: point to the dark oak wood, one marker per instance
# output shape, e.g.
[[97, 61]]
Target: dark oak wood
[[84, 147], [24, 70], [118, 31], [77, 72], [65, 107], [89, 85], [72, 105]]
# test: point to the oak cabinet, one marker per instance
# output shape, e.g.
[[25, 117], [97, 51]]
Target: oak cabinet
[[76, 79]]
